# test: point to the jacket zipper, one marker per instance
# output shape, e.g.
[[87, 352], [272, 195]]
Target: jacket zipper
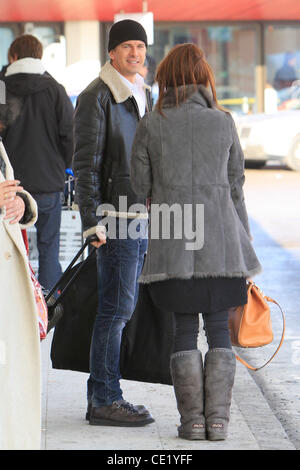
[[136, 107]]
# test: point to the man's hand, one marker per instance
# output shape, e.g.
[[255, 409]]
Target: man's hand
[[101, 234]]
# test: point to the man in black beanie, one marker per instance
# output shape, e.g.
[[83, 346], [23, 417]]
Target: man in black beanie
[[107, 114], [122, 31]]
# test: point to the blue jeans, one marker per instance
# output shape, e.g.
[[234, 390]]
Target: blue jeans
[[119, 265], [48, 234]]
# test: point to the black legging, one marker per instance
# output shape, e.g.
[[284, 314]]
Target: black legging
[[215, 327]]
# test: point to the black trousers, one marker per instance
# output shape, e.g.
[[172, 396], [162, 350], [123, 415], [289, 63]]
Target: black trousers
[[215, 327]]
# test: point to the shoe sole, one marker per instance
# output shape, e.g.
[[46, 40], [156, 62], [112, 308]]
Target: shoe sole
[[192, 437], [216, 438], [87, 416], [110, 422]]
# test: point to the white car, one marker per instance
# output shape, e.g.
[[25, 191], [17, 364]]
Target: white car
[[266, 137]]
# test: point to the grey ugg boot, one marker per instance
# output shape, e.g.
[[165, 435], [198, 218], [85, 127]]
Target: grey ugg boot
[[219, 372], [187, 375]]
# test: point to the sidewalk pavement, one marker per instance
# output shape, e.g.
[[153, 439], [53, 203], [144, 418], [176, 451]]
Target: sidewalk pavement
[[253, 426]]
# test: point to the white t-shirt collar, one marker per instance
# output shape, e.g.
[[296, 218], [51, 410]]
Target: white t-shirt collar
[[138, 91]]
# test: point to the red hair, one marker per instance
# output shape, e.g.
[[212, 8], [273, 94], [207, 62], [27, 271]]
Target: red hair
[[184, 65]]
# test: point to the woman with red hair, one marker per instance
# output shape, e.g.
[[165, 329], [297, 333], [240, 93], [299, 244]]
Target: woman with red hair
[[187, 156]]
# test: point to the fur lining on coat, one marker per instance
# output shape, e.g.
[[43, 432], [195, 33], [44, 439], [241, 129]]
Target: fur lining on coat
[[191, 157], [115, 83]]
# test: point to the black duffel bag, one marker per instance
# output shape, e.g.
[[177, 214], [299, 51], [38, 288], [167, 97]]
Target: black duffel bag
[[147, 340]]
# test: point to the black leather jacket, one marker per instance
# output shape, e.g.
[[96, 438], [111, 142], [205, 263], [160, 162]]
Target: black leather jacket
[[106, 119]]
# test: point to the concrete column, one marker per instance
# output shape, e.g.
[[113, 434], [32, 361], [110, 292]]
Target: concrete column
[[82, 54], [82, 41], [260, 69]]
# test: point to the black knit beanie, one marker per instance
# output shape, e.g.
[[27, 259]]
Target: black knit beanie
[[126, 30]]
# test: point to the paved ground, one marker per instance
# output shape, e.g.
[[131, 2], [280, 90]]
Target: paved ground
[[253, 425], [265, 410]]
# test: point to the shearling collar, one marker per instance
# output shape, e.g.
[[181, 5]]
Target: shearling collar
[[26, 65], [116, 85], [200, 94]]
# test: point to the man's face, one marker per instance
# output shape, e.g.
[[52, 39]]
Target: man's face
[[128, 58]]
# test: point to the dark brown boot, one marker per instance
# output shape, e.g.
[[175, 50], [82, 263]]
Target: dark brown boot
[[141, 409], [119, 413]]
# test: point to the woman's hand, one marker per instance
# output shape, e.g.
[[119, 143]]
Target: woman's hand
[[8, 190], [15, 209]]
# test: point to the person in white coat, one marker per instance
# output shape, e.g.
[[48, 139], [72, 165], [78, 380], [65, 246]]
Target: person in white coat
[[20, 407]]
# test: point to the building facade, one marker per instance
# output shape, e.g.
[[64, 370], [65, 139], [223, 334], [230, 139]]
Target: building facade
[[253, 46]]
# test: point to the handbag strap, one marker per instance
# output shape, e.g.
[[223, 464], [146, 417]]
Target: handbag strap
[[269, 299], [25, 239]]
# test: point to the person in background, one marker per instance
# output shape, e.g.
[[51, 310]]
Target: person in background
[[148, 73], [36, 125], [148, 70], [187, 153], [2, 71], [20, 394], [287, 73]]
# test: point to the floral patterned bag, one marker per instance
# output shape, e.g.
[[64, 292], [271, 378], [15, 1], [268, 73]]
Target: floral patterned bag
[[38, 294]]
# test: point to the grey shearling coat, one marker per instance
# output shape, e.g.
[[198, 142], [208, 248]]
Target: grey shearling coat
[[193, 156]]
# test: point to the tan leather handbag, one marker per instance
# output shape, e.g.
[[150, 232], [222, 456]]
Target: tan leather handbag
[[250, 325]]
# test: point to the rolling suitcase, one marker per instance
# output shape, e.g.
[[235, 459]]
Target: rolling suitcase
[[56, 305], [147, 340]]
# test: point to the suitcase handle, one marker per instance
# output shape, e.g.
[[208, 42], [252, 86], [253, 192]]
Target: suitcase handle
[[89, 239]]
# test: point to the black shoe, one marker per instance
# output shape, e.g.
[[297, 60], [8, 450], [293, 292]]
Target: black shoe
[[141, 409], [119, 413]]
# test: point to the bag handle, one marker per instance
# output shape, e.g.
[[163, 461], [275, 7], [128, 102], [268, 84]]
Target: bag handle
[[68, 269], [269, 299]]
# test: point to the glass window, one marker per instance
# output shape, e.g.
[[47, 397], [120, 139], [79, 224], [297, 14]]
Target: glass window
[[6, 38], [50, 35], [230, 50], [282, 51], [46, 34], [54, 47]]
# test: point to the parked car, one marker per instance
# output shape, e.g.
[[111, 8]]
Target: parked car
[[274, 135], [266, 137]]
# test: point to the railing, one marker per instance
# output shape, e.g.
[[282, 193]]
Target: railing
[[245, 102]]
